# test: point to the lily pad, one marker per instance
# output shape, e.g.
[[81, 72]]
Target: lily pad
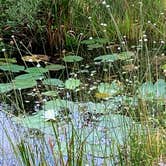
[[54, 104], [35, 70], [72, 58], [160, 89], [5, 87], [23, 84], [112, 89], [95, 41], [50, 93], [53, 82], [107, 58], [34, 76], [12, 67], [72, 83], [101, 141], [150, 91], [55, 67]]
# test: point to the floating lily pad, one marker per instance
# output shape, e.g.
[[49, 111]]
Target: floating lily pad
[[50, 93], [112, 89], [5, 87], [150, 91], [35, 76], [160, 89], [35, 70], [72, 83], [36, 121], [72, 58], [53, 82], [102, 141], [107, 58], [55, 67], [23, 84], [11, 67]]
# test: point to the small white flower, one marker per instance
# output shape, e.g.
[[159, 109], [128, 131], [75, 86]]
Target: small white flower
[[154, 42], [68, 95], [30, 60], [104, 3], [38, 65], [149, 21], [104, 24], [90, 38], [89, 18], [145, 40], [162, 42], [136, 67], [12, 36], [144, 35], [140, 3], [107, 6], [3, 50], [93, 88], [44, 100], [49, 114]]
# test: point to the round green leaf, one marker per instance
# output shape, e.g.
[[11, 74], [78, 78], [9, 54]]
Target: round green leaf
[[5, 87], [50, 93], [72, 58], [53, 82], [112, 89], [55, 67], [35, 76], [24, 84], [72, 83], [11, 67], [107, 58], [35, 70]]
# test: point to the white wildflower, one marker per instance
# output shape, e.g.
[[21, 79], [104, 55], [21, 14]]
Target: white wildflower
[[49, 114]]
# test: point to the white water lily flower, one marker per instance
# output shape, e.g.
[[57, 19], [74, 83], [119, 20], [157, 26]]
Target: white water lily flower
[[49, 114]]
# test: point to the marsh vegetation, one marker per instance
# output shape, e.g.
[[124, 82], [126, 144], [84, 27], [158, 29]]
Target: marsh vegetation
[[84, 81]]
